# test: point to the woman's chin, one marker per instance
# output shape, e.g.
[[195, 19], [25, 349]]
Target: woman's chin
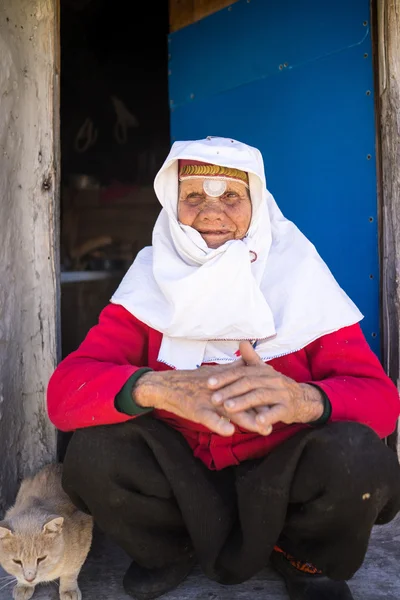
[[215, 240]]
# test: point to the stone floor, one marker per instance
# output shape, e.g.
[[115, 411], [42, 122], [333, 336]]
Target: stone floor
[[102, 574]]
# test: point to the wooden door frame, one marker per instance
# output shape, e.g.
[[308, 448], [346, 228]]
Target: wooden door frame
[[386, 39]]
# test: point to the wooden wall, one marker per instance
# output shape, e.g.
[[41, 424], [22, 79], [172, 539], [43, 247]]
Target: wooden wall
[[185, 12], [29, 261]]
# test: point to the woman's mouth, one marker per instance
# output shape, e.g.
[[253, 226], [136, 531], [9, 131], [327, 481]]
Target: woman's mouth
[[216, 232], [216, 238]]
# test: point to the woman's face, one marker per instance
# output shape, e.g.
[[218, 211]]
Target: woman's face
[[220, 219]]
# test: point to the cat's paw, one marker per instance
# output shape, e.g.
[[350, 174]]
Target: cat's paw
[[23, 592], [74, 594]]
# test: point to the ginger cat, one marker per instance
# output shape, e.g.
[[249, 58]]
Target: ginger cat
[[44, 537]]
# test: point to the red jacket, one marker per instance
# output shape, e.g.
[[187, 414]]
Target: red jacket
[[82, 390]]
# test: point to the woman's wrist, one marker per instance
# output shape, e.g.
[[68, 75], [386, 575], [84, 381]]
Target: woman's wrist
[[140, 391], [152, 388], [313, 403], [124, 401]]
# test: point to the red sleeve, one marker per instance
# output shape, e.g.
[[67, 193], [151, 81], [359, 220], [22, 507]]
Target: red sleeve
[[345, 367], [82, 390]]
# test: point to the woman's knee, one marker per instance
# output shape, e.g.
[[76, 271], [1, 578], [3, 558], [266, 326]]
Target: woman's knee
[[351, 442], [91, 459], [355, 458]]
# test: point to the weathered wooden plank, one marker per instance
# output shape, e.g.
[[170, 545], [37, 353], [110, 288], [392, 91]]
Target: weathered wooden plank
[[388, 34], [28, 231], [102, 575], [185, 12]]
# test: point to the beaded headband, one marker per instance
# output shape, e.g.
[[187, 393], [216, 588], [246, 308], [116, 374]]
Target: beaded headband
[[190, 169]]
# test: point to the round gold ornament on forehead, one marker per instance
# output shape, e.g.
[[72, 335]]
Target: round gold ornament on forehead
[[214, 187]]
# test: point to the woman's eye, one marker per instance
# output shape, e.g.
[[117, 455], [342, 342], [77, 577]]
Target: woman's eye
[[230, 196], [41, 559], [194, 198], [17, 562]]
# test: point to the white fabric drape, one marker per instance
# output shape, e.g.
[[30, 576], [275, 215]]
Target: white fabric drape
[[205, 300]]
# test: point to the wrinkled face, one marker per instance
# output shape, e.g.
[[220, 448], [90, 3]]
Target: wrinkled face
[[31, 558], [218, 220]]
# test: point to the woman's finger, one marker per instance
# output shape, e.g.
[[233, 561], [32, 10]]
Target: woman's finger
[[216, 423], [275, 414], [253, 399], [262, 409], [249, 355], [248, 421], [226, 377], [237, 388], [242, 386]]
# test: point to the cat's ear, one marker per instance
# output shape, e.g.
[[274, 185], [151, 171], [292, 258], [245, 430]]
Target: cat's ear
[[54, 525], [5, 530]]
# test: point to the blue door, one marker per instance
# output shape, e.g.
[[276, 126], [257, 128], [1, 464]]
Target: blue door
[[295, 80]]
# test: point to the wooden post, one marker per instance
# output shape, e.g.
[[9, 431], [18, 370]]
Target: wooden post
[[29, 182], [388, 41]]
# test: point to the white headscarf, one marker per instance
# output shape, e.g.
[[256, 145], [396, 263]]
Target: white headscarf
[[205, 300]]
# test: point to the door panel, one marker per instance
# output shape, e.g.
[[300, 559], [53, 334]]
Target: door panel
[[313, 119]]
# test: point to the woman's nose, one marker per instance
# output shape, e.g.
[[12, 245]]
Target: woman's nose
[[213, 207]]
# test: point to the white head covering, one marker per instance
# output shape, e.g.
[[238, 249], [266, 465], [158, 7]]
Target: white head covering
[[204, 300]]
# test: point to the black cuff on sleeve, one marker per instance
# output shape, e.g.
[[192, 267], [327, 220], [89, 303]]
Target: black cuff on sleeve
[[326, 415], [124, 401]]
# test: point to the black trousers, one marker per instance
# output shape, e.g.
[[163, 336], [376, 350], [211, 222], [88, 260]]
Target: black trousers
[[317, 495]]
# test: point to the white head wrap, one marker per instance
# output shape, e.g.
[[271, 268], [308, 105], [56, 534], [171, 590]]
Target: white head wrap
[[205, 300]]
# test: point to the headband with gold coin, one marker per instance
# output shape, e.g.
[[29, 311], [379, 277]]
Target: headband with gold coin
[[215, 177]]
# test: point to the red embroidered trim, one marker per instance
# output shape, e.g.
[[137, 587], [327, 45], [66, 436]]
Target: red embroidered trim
[[304, 567]]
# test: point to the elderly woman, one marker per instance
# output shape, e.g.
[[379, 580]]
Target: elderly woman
[[227, 408]]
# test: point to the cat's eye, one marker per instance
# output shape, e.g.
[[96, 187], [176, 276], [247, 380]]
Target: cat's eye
[[41, 559], [17, 562]]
